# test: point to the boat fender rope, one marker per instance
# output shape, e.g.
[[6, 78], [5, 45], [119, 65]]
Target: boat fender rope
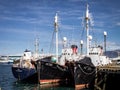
[[86, 72], [60, 68]]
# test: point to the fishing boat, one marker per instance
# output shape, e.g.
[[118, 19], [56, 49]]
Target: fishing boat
[[82, 70], [5, 60], [23, 69], [49, 68]]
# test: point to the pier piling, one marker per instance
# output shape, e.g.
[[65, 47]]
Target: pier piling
[[38, 70], [107, 77]]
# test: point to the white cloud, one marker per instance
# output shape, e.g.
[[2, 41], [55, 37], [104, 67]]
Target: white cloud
[[113, 45], [118, 24]]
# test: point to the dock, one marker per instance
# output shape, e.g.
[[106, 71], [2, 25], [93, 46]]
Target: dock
[[107, 77]]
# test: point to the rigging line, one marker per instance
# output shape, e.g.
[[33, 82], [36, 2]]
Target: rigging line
[[91, 24], [60, 34], [87, 73], [95, 38], [59, 22], [94, 35], [83, 28], [51, 49], [82, 32]]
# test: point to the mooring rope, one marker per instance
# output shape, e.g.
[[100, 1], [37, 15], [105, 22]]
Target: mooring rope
[[60, 68], [84, 71]]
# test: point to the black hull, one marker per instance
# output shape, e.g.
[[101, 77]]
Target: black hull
[[25, 74], [81, 73], [51, 72], [74, 74], [84, 72], [44, 72]]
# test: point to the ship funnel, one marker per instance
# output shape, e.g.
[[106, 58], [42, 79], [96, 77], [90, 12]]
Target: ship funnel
[[74, 49]]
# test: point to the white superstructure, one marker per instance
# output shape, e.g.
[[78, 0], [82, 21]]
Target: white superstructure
[[97, 56], [95, 53]]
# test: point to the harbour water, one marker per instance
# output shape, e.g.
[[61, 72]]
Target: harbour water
[[8, 82]]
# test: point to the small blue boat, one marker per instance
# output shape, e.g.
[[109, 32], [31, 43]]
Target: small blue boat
[[23, 68]]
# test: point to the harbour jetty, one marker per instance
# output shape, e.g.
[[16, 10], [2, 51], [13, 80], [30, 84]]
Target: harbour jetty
[[107, 77]]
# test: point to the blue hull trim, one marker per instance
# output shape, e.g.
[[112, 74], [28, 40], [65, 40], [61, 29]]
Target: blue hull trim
[[23, 73]]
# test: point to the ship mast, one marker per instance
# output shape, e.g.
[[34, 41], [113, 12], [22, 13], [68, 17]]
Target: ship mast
[[36, 48], [87, 28], [56, 30]]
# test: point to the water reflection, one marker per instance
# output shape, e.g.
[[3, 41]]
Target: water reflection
[[21, 86], [8, 82]]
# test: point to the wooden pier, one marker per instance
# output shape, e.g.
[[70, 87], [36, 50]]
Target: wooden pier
[[107, 77]]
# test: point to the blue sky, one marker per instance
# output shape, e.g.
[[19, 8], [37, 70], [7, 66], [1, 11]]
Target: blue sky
[[21, 21]]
